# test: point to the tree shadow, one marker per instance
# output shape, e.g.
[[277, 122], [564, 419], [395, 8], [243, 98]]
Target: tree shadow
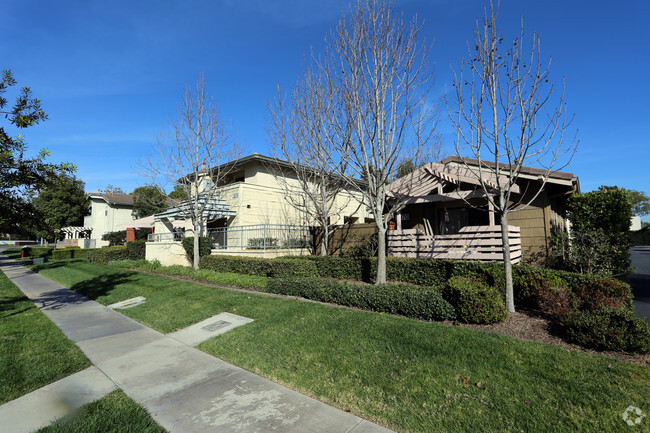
[[9, 304], [102, 285], [57, 299]]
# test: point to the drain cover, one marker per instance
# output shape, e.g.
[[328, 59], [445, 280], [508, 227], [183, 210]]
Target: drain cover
[[216, 325]]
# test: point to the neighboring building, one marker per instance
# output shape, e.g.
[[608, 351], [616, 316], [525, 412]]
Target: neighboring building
[[635, 223], [437, 204], [105, 213], [252, 206]]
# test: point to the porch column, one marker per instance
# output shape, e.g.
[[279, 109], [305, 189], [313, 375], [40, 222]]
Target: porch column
[[398, 219], [130, 234], [491, 213]]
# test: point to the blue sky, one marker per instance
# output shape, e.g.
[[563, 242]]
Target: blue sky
[[110, 73]]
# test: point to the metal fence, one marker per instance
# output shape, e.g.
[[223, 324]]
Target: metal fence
[[261, 237], [165, 237]]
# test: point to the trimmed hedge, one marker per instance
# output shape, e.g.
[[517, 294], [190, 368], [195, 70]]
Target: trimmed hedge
[[274, 268], [531, 285], [134, 250], [474, 301], [607, 328], [41, 251], [409, 301], [69, 253], [205, 246]]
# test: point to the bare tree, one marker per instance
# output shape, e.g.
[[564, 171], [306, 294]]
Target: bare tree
[[379, 74], [504, 111], [305, 144], [194, 153]]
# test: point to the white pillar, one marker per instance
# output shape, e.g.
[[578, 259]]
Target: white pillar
[[491, 213]]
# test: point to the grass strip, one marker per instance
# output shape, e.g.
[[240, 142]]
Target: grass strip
[[409, 375], [12, 253], [33, 351], [114, 412]]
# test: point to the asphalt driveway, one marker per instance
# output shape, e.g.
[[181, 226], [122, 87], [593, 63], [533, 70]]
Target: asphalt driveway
[[640, 281]]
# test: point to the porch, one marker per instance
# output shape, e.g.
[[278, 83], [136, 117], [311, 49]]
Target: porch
[[479, 243]]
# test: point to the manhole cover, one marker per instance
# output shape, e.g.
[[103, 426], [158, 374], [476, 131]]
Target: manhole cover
[[216, 325]]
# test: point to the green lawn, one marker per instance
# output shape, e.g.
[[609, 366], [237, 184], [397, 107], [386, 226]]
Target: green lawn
[[409, 375], [113, 413], [33, 351]]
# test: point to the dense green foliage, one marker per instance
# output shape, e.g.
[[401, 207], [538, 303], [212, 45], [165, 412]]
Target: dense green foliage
[[405, 300], [599, 242], [204, 275], [148, 200], [134, 250], [20, 175], [474, 301], [607, 328], [115, 238], [552, 292], [61, 203], [39, 251], [406, 374], [179, 193], [33, 351], [119, 237], [205, 246], [69, 253], [528, 281]]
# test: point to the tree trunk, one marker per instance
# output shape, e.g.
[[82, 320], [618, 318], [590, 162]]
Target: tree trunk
[[381, 256], [324, 242], [197, 238], [507, 264]]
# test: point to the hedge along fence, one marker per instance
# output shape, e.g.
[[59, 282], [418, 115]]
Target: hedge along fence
[[533, 287], [134, 250], [410, 301], [69, 253]]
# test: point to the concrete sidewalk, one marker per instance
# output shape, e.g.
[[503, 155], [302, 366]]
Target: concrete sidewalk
[[184, 389]]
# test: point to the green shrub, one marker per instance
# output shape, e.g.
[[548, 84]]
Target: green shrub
[[275, 268], [259, 243], [239, 265], [409, 301], [474, 301], [41, 251], [115, 238], [295, 242], [607, 328], [135, 250], [205, 246], [104, 255], [600, 221], [62, 254]]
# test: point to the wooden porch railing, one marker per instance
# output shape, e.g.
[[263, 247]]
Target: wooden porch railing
[[481, 243]]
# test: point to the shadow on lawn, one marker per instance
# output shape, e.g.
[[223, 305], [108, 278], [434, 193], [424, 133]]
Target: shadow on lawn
[[9, 304], [103, 284]]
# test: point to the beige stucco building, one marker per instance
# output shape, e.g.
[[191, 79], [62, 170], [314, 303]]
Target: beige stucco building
[[105, 212], [255, 202]]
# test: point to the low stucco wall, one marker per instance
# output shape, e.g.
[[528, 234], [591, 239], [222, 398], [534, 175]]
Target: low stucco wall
[[167, 253], [268, 254]]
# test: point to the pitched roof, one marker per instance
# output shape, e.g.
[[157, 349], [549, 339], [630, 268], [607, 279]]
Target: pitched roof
[[524, 170], [454, 169], [113, 198]]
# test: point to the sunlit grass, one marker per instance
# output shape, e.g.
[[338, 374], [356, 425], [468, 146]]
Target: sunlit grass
[[409, 375]]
